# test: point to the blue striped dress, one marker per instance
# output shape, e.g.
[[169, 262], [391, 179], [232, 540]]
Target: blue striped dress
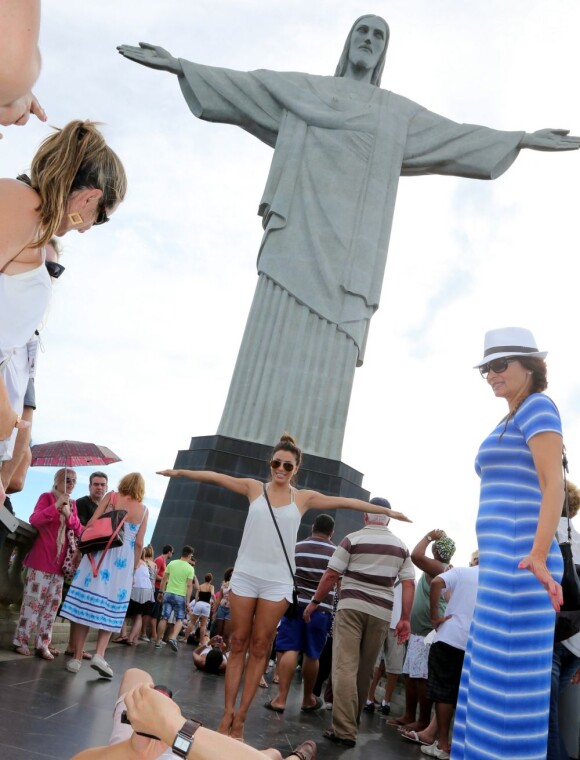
[[504, 696]]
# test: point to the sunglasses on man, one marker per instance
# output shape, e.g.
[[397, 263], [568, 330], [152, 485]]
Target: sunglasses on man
[[497, 366]]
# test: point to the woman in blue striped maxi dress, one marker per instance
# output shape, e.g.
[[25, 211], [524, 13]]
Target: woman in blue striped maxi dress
[[504, 695]]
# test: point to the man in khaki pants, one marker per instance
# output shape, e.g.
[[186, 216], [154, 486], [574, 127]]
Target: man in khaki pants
[[370, 562]]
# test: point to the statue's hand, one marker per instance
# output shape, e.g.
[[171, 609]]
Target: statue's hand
[[550, 139], [153, 56]]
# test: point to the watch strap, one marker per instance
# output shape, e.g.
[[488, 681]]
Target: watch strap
[[184, 738]]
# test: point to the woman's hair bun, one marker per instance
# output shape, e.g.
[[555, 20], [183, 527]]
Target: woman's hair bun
[[287, 438]]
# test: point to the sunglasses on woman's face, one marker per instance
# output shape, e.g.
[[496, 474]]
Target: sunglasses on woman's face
[[275, 463], [54, 270], [102, 217], [497, 366]]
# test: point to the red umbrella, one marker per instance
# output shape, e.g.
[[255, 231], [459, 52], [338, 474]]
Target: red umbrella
[[71, 454]]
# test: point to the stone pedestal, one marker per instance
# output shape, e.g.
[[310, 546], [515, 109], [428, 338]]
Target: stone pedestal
[[211, 519]]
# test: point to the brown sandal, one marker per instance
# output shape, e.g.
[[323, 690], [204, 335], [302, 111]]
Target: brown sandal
[[22, 649]]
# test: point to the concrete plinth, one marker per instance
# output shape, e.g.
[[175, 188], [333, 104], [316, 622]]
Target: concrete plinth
[[212, 519]]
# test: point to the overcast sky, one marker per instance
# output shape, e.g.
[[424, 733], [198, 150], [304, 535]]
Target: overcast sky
[[145, 324]]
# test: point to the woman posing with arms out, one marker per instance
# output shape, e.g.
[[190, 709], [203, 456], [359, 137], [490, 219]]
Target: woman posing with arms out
[[261, 585], [54, 515], [102, 602], [504, 696], [76, 181]]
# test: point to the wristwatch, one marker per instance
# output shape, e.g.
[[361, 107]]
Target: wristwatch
[[184, 739], [315, 601]]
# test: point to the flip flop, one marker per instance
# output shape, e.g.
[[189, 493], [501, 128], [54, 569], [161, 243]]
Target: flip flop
[[54, 651], [44, 654], [270, 706], [313, 708], [120, 640], [23, 650], [413, 736], [331, 736]]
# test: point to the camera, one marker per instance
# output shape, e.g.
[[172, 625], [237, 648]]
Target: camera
[[125, 719]]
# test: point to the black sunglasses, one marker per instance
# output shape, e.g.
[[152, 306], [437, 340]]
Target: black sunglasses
[[102, 217], [288, 466], [54, 270], [497, 365]]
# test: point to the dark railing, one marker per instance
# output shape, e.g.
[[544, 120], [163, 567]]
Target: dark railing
[[12, 552]]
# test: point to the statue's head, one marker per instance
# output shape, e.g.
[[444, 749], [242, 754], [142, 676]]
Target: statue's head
[[357, 52]]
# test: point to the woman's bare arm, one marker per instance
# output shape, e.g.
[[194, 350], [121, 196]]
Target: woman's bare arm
[[546, 449], [244, 486], [313, 500]]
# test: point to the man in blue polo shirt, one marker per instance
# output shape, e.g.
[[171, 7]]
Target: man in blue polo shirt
[[296, 636]]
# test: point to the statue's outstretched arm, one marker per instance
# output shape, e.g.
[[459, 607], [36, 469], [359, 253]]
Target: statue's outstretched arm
[[550, 139], [153, 56]]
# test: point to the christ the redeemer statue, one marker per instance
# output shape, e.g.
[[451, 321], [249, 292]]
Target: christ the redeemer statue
[[340, 145]]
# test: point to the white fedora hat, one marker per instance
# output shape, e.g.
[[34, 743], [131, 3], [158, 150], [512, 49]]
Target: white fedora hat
[[509, 341]]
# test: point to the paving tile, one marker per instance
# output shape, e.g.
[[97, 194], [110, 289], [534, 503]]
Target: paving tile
[[46, 712]]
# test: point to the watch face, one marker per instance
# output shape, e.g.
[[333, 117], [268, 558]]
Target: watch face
[[181, 744]]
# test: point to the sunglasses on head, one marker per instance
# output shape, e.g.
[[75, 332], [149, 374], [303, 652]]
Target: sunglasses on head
[[102, 217], [54, 269], [497, 365], [288, 466]]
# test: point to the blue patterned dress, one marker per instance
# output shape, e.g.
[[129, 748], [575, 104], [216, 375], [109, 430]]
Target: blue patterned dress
[[504, 696], [102, 602]]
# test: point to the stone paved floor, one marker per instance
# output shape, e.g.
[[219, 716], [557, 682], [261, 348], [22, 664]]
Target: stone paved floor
[[46, 712]]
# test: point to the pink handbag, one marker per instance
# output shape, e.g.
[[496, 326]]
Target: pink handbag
[[104, 534]]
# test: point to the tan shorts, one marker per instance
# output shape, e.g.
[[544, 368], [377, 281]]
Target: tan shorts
[[392, 653]]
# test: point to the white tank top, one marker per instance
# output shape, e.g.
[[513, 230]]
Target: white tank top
[[260, 553], [24, 299], [142, 579]]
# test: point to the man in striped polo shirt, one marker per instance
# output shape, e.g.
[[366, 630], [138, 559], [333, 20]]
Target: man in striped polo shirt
[[296, 636], [370, 561]]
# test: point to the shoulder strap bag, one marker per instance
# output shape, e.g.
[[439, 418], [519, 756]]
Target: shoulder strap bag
[[568, 619], [104, 534], [292, 611]]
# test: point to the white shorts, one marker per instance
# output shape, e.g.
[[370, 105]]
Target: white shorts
[[200, 608], [243, 584], [15, 372], [416, 661]]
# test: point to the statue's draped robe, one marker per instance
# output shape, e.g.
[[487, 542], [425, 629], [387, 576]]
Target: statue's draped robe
[[340, 148]]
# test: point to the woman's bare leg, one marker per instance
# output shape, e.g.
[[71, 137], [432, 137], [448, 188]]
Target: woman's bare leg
[[243, 609], [135, 629], [103, 638], [78, 636], [202, 627], [267, 617]]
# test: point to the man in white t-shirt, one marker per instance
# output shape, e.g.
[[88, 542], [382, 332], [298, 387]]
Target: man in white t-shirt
[[448, 646], [390, 661]]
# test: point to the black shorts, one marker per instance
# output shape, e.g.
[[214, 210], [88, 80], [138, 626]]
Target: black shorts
[[445, 665]]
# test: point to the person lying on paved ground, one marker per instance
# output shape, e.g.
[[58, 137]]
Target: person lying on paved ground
[[153, 714]]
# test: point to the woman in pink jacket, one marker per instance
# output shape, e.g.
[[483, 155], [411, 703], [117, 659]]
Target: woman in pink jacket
[[54, 514]]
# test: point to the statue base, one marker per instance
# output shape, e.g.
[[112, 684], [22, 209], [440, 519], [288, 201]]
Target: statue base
[[211, 519]]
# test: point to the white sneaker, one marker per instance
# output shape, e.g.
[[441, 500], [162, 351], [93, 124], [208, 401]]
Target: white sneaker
[[142, 637], [73, 666], [102, 667]]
